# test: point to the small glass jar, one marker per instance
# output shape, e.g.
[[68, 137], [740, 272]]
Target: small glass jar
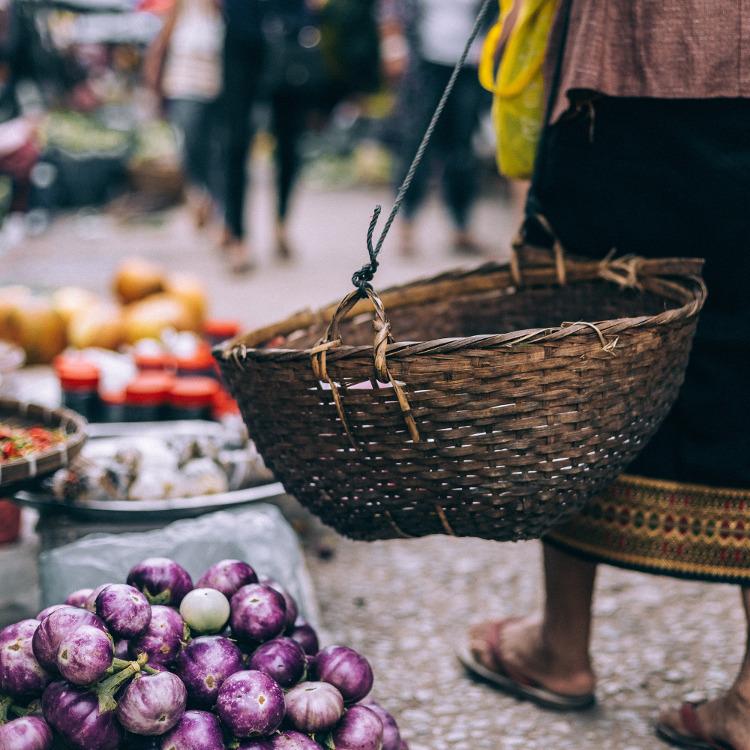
[[79, 382], [193, 398], [112, 406], [155, 362], [146, 397], [217, 330], [199, 364]]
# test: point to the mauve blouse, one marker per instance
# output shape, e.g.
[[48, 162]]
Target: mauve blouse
[[667, 49]]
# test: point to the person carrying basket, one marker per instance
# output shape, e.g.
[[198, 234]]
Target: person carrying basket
[[645, 150]]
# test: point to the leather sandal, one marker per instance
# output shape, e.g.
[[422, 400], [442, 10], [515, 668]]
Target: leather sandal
[[696, 737], [509, 680]]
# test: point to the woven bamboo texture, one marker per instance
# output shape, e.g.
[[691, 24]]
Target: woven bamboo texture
[[485, 407], [12, 473]]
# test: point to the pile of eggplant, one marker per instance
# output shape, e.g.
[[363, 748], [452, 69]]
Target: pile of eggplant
[[158, 663]]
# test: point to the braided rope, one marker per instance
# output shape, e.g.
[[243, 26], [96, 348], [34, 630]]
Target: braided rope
[[365, 275]]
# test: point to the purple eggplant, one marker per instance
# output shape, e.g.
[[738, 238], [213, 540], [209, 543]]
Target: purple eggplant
[[292, 740], [93, 596], [292, 611], [84, 655], [152, 704], [283, 659], [345, 669], [391, 734], [258, 743], [162, 580], [203, 666], [163, 639], [122, 650], [27, 733], [21, 675], [360, 729], [305, 635], [314, 707], [54, 628], [196, 730], [403, 745], [124, 610], [227, 576], [79, 598], [75, 714], [250, 704], [47, 611], [258, 613]]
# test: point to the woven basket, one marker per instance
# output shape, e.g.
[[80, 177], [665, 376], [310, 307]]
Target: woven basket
[[493, 414], [13, 473]]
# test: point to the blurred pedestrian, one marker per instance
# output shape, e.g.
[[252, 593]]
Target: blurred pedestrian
[[184, 66], [646, 150], [421, 42], [271, 53]]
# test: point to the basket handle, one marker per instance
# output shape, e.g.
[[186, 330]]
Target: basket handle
[[332, 339], [558, 251]]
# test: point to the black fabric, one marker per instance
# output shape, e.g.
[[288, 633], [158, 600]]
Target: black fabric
[[669, 178], [244, 66], [244, 18], [242, 69]]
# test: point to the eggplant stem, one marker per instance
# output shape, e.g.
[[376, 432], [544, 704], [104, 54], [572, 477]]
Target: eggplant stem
[[106, 689], [5, 704], [32, 708]]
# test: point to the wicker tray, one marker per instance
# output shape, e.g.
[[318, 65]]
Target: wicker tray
[[39, 464], [494, 414]]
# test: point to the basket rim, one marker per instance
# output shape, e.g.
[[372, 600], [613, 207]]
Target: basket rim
[[678, 279], [54, 458]]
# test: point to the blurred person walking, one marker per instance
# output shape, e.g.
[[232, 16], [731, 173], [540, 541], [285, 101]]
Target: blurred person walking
[[421, 42], [183, 66], [270, 53]]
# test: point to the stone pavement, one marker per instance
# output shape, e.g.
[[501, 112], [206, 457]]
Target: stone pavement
[[328, 230], [406, 603]]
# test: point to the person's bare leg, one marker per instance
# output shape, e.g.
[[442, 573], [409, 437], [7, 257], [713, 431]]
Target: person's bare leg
[[553, 648], [727, 718]]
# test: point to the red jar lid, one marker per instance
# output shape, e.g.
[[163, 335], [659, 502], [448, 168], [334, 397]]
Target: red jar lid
[[201, 361], [224, 404], [112, 398], [218, 328], [193, 392], [76, 374], [149, 389], [155, 361]]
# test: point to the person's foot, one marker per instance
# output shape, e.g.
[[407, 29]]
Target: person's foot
[[724, 722], [283, 248], [201, 207], [239, 257], [464, 243], [518, 646]]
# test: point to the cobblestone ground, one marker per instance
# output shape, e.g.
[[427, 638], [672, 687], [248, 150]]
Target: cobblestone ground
[[406, 604]]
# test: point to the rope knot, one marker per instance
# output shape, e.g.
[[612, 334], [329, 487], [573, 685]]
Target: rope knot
[[362, 278]]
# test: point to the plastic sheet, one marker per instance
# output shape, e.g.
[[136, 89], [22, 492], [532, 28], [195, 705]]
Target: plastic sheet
[[261, 536]]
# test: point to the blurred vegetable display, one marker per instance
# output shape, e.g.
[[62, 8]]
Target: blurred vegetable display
[[149, 300], [131, 673]]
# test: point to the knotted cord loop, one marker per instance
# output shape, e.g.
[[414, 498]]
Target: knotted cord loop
[[362, 278], [365, 275]]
